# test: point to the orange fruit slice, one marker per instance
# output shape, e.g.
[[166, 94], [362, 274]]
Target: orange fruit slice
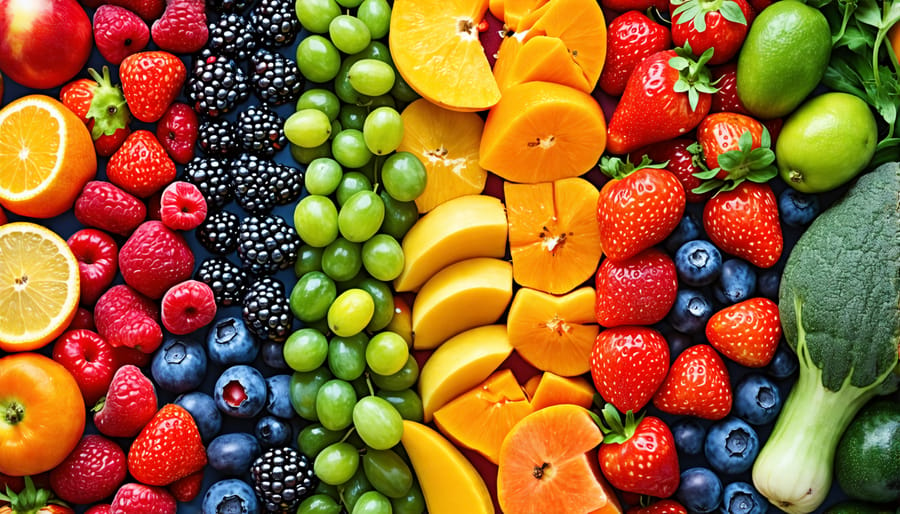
[[554, 333], [39, 286], [548, 389], [542, 131], [515, 10], [540, 58], [46, 154], [447, 143], [436, 49], [554, 238]]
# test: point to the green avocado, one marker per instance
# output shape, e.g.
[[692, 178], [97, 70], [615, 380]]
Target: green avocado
[[867, 460]]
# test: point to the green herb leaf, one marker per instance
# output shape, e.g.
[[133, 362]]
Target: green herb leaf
[[732, 12]]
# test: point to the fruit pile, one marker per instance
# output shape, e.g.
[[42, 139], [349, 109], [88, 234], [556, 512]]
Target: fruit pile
[[375, 256]]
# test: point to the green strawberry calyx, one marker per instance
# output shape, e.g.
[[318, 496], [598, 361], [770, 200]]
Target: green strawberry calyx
[[614, 431], [617, 168], [108, 107], [29, 500], [695, 11], [693, 74], [744, 163]]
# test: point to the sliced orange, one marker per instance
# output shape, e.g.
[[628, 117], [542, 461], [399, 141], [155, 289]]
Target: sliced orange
[[540, 58], [46, 156], [447, 144], [554, 238], [515, 10], [548, 389], [39, 286], [542, 131], [436, 49]]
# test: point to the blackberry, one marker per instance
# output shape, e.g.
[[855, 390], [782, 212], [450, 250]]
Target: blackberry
[[260, 184], [267, 244], [282, 478], [219, 232], [216, 84], [212, 176], [260, 131], [226, 279], [232, 36], [275, 22], [266, 311], [216, 137], [228, 6], [276, 79]]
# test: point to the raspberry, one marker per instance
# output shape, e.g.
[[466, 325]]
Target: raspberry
[[124, 317], [182, 28], [119, 33], [91, 472], [108, 207], [182, 206], [134, 498], [97, 253], [83, 319], [155, 258], [188, 306]]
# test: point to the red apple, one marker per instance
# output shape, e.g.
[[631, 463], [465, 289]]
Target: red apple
[[43, 43]]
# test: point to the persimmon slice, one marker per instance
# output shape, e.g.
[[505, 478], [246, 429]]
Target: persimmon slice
[[548, 388], [541, 58]]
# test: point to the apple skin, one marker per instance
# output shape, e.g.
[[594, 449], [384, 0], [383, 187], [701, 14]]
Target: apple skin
[[43, 43]]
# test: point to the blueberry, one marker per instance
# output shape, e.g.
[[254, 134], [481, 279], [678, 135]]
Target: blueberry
[[272, 432], [230, 496], [698, 263], [798, 209], [278, 397], [736, 283], [273, 355], [179, 365], [233, 453], [229, 342], [688, 434], [690, 312], [204, 411], [240, 391], [688, 228], [784, 362], [700, 490], [731, 446], [743, 498], [757, 399], [768, 283], [678, 343]]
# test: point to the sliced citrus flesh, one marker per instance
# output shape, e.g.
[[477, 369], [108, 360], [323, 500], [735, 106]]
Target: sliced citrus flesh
[[447, 143], [515, 10], [46, 157], [554, 238], [39, 286], [548, 388], [436, 49], [540, 58]]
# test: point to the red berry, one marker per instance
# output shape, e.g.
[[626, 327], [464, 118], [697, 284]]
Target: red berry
[[639, 290], [177, 132], [182, 206], [105, 206], [124, 355], [134, 498], [100, 508], [187, 488], [129, 405], [126, 318], [155, 258], [93, 471], [187, 307], [182, 28], [83, 319], [141, 165], [168, 448], [97, 256], [119, 33], [89, 358]]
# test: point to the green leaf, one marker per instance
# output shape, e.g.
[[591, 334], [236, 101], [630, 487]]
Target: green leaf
[[731, 159], [707, 174], [709, 185], [679, 63], [732, 12], [762, 176], [745, 142], [693, 98]]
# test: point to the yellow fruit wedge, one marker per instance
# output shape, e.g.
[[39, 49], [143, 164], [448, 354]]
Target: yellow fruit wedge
[[449, 482], [464, 295], [460, 364], [458, 229]]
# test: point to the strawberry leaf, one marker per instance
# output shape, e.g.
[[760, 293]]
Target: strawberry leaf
[[732, 12]]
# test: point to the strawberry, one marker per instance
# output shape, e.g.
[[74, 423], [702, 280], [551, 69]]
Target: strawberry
[[628, 364], [133, 498], [720, 25], [182, 28], [148, 10], [119, 33], [126, 318], [697, 385], [177, 132], [726, 98], [744, 222], [638, 208], [667, 95], [101, 106], [736, 147], [187, 488], [634, 5], [666, 506], [91, 472], [639, 456], [141, 165], [747, 332], [636, 291], [151, 80], [32, 500], [89, 358], [129, 404], [169, 448], [630, 38], [683, 160]]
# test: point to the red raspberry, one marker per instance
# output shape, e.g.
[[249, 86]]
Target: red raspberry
[[187, 488], [124, 355], [97, 256], [182, 206], [154, 259], [119, 33], [83, 319], [89, 358], [105, 206], [129, 405], [177, 132], [188, 306], [93, 471], [124, 317], [134, 498], [182, 28]]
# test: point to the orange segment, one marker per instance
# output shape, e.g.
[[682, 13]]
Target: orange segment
[[39, 286], [540, 58], [447, 144], [436, 49], [554, 333], [552, 389], [541, 131], [46, 154], [515, 10], [554, 238]]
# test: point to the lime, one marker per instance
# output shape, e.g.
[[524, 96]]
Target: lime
[[826, 142]]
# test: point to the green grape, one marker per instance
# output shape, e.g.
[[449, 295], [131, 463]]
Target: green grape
[[349, 4], [353, 283], [320, 99], [407, 402], [403, 176], [361, 386], [353, 116], [305, 349], [382, 257], [336, 463], [384, 302], [383, 130], [402, 379], [349, 34], [304, 386], [327, 489], [315, 15], [376, 14], [374, 102], [399, 216], [311, 296], [402, 91], [322, 176], [376, 50], [342, 259], [342, 87], [387, 353], [307, 155], [308, 128], [371, 77], [387, 472], [360, 216], [314, 437], [413, 502], [351, 183], [347, 356], [372, 502], [334, 404], [318, 59], [309, 258], [354, 488], [377, 422], [319, 504], [336, 127], [350, 312], [315, 220], [368, 170], [349, 148]]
